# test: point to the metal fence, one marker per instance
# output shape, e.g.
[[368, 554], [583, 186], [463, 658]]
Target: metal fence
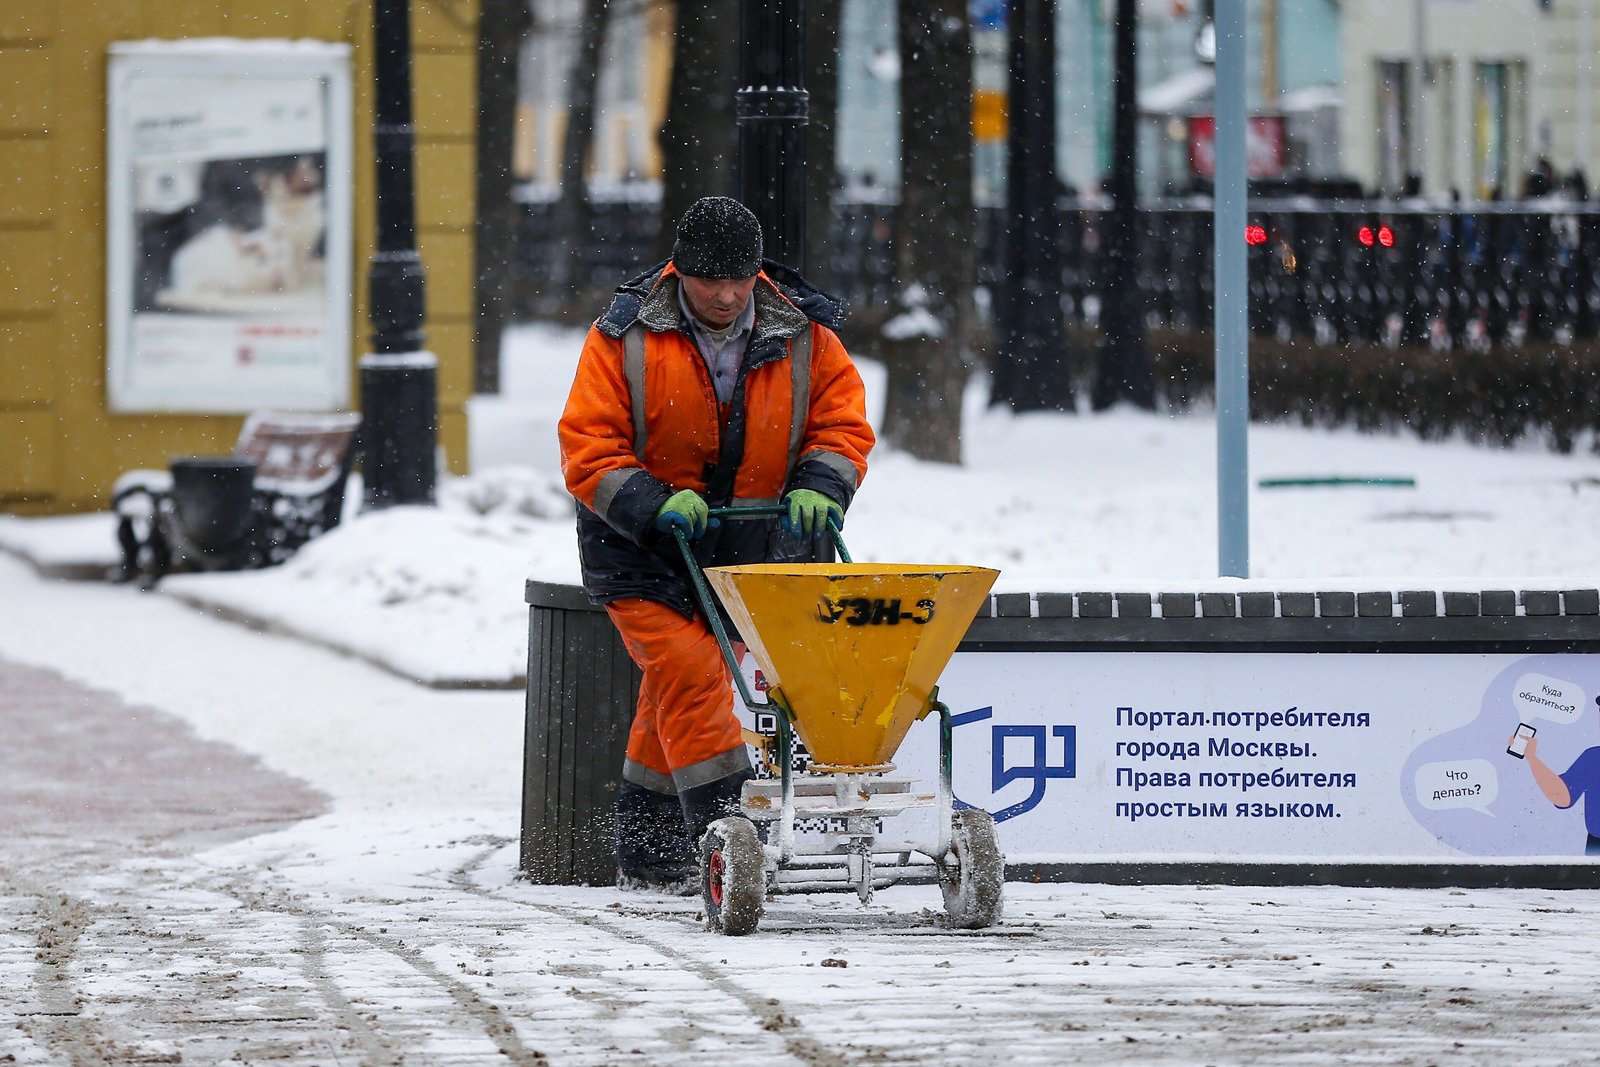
[[1365, 273], [1345, 272]]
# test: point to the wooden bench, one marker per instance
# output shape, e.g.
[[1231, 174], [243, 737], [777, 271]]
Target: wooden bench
[[283, 485]]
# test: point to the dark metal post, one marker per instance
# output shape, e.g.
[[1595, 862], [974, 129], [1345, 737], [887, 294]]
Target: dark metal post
[[1581, 284], [1031, 370], [399, 381], [772, 108], [1124, 371]]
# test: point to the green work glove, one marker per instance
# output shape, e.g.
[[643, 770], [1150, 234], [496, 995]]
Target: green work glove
[[685, 510], [809, 511]]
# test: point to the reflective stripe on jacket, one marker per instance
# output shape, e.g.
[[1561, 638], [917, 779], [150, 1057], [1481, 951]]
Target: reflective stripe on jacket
[[642, 421]]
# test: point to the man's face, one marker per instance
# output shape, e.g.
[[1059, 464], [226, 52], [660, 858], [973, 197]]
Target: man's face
[[717, 301]]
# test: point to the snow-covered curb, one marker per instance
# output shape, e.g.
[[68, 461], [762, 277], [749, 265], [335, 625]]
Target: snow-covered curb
[[433, 595], [63, 546]]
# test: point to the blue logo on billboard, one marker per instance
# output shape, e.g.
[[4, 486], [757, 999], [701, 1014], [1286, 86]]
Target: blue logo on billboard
[[1037, 769]]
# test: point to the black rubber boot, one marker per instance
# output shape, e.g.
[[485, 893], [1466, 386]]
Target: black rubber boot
[[705, 804], [653, 850]]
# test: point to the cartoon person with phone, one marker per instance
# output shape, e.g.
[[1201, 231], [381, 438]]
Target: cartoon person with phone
[[1565, 789]]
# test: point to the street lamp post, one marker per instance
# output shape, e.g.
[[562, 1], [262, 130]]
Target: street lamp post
[[772, 108], [399, 380]]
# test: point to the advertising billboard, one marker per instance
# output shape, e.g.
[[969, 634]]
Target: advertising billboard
[[1177, 757], [1307, 757], [228, 197]]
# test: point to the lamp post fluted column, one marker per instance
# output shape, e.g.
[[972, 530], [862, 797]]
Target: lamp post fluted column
[[772, 108], [399, 379]]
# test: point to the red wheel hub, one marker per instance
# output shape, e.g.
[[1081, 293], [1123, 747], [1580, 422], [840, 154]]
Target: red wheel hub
[[714, 877]]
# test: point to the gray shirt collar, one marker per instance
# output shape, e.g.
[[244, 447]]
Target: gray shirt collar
[[722, 357], [741, 324]]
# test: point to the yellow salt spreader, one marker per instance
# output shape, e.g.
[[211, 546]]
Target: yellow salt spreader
[[852, 654]]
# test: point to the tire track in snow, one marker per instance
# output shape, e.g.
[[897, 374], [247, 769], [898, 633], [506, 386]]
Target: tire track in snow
[[107, 972], [765, 1010], [495, 1026], [56, 1022], [375, 1046]]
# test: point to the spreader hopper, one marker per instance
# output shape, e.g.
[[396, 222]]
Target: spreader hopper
[[855, 649]]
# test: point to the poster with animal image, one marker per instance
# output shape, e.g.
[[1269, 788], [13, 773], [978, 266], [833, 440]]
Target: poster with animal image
[[229, 198]]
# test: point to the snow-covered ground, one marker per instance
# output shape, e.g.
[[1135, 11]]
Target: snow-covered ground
[[356, 901], [390, 928]]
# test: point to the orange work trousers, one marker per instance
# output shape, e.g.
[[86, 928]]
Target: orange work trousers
[[684, 732]]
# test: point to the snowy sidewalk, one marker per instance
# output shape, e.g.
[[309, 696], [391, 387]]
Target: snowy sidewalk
[[98, 801], [85, 775], [389, 927]]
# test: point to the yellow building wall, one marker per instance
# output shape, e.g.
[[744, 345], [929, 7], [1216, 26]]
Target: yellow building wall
[[660, 25], [60, 448]]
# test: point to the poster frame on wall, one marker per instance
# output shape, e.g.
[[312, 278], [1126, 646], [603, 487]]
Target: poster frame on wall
[[275, 333]]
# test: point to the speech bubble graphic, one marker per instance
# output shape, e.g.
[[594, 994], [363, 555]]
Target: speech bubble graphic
[[1465, 783], [1539, 696]]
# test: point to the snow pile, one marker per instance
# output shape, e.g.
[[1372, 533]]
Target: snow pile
[[509, 491], [916, 321], [434, 594], [67, 545]]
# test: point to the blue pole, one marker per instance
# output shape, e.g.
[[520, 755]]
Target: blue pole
[[1232, 312]]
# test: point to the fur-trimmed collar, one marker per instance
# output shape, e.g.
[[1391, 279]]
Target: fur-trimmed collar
[[784, 302], [775, 316]]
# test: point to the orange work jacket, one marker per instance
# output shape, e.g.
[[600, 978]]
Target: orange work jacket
[[642, 421]]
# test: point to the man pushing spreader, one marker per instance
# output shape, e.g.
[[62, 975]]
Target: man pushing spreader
[[712, 380]]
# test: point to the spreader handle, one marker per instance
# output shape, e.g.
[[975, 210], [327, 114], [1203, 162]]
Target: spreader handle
[[762, 511], [702, 590], [708, 604]]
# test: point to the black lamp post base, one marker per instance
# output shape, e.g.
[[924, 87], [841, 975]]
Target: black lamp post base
[[399, 429]]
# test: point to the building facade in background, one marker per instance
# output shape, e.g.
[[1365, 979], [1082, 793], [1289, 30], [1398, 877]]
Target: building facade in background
[[630, 100], [1468, 98], [1568, 132], [1333, 89], [1292, 93], [1293, 85]]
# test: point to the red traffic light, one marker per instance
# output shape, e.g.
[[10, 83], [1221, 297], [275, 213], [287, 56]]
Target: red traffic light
[[1255, 235], [1383, 235]]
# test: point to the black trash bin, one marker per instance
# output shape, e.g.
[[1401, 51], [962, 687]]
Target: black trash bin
[[212, 497], [582, 691]]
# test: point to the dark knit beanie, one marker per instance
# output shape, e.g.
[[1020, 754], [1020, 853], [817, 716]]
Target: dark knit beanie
[[718, 237]]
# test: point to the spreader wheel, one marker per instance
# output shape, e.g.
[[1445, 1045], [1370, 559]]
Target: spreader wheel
[[732, 876], [973, 877]]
